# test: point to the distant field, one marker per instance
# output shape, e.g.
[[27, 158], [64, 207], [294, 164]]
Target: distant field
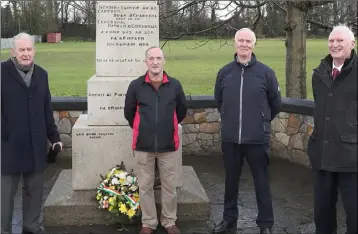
[[71, 64]]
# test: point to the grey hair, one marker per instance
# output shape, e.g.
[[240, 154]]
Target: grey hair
[[22, 36], [345, 29], [247, 29], [152, 47]]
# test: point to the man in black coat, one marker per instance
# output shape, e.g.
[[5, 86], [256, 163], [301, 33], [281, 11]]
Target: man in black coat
[[332, 147], [26, 124], [248, 99]]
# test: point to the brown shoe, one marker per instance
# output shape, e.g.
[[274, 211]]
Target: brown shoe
[[146, 230], [173, 230]]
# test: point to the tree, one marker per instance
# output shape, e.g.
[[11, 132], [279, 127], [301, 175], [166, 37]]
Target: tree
[[295, 27], [296, 35]]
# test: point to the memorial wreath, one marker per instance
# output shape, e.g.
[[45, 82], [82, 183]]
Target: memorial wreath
[[118, 192]]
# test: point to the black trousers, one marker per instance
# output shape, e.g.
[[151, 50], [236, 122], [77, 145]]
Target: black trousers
[[326, 185], [258, 159]]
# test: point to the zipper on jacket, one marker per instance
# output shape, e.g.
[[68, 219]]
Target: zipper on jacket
[[240, 118], [263, 120], [156, 121]]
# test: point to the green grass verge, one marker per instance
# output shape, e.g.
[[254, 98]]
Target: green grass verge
[[71, 64]]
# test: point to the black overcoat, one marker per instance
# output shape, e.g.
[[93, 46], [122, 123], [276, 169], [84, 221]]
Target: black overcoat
[[333, 143], [26, 120]]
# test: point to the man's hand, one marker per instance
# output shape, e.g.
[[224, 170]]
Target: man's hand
[[57, 143]]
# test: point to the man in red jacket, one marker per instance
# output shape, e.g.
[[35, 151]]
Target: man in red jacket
[[154, 106]]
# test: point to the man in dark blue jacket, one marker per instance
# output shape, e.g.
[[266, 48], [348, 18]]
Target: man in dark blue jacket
[[248, 99], [26, 124]]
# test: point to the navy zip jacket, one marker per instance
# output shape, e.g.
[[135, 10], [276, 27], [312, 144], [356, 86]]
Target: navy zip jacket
[[248, 99]]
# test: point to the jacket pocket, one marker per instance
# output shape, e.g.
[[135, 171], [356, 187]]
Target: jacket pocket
[[313, 135], [266, 124], [349, 138]]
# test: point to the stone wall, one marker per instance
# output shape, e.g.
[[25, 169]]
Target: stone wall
[[201, 128], [290, 134]]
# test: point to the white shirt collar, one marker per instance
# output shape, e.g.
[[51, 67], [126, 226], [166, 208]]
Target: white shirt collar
[[334, 66]]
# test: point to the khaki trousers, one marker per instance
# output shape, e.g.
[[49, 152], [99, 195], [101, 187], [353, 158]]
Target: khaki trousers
[[146, 174]]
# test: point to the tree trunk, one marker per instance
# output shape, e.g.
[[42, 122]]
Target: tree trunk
[[51, 20], [296, 26]]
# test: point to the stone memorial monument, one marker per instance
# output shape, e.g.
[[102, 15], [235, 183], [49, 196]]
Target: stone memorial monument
[[102, 138], [124, 31]]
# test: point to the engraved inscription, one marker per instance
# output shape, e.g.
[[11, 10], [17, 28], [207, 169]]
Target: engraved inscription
[[111, 95], [106, 94], [124, 31], [95, 135], [111, 108]]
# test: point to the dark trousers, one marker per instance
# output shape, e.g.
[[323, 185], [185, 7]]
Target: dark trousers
[[326, 185], [32, 194], [257, 157]]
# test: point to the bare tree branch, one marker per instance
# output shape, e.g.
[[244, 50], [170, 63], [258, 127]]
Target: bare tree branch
[[240, 4], [258, 15], [227, 6], [185, 6], [199, 32], [321, 25]]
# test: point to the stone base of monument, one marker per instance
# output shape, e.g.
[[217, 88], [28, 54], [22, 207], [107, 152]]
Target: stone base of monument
[[64, 206], [96, 149]]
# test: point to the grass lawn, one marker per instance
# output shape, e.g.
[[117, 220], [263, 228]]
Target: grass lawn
[[71, 64]]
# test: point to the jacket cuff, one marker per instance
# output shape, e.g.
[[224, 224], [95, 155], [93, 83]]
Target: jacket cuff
[[56, 138]]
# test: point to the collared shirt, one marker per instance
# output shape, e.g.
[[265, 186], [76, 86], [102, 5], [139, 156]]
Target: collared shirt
[[334, 66]]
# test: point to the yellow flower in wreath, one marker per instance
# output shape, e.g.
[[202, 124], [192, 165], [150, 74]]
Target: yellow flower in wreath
[[111, 201], [122, 181], [130, 213], [123, 208]]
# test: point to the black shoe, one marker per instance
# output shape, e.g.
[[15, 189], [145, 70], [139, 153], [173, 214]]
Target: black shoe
[[265, 231], [225, 226]]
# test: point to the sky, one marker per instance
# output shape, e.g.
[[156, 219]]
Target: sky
[[221, 14]]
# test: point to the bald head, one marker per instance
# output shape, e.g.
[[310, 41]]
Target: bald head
[[344, 30], [341, 42], [245, 40], [246, 31], [156, 49]]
